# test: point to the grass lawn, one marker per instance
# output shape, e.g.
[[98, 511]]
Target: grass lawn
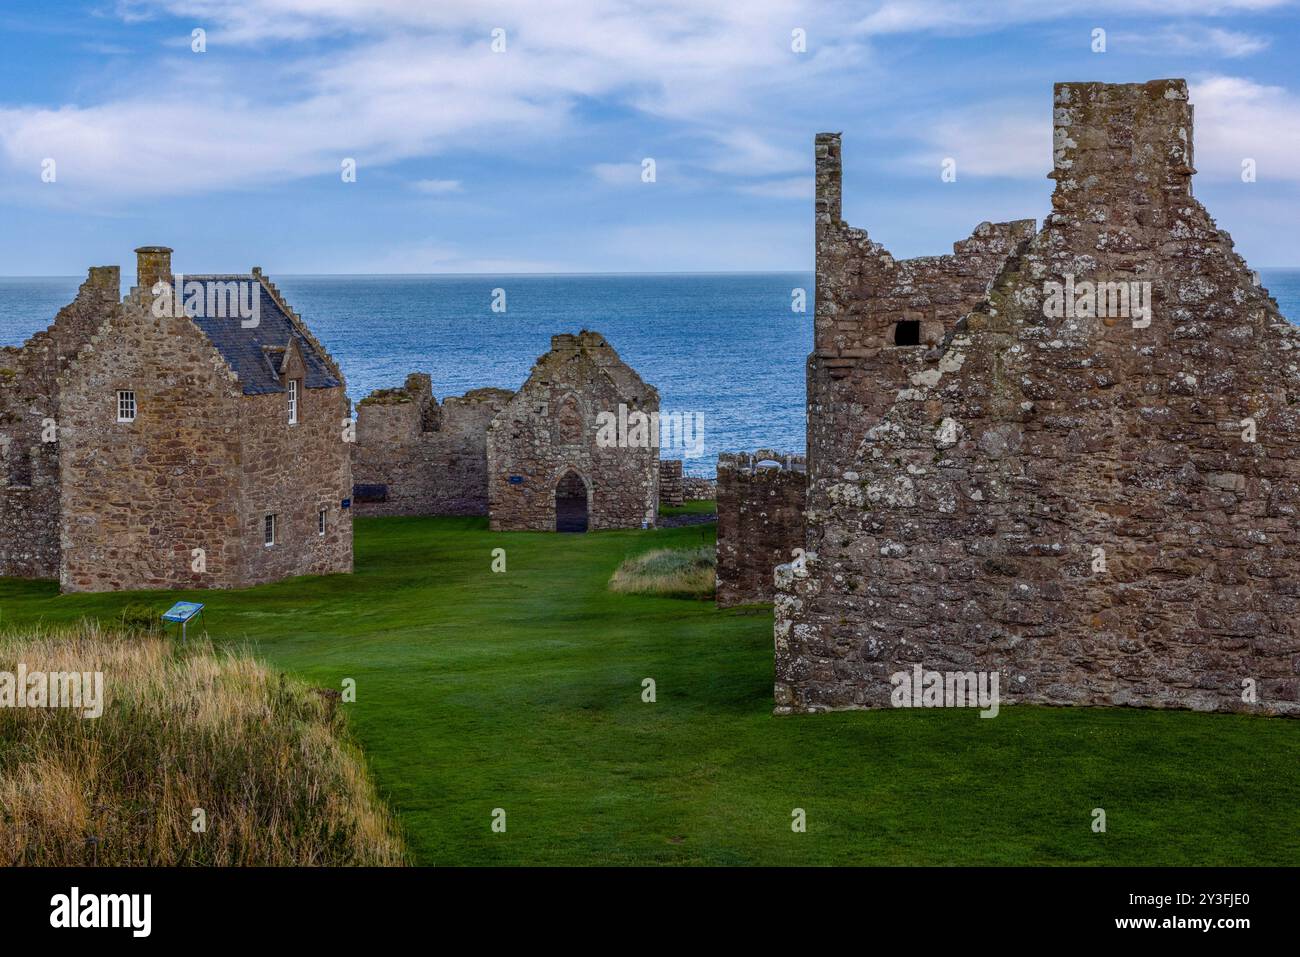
[[523, 691]]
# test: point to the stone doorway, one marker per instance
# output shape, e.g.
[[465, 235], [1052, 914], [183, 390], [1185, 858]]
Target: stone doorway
[[571, 503]]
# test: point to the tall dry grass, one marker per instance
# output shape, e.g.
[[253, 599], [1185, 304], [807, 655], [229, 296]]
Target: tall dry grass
[[669, 573], [266, 758]]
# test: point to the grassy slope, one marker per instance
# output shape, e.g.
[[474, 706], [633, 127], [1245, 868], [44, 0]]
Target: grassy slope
[[522, 691]]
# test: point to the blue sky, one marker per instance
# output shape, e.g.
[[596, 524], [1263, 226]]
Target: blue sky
[[530, 159]]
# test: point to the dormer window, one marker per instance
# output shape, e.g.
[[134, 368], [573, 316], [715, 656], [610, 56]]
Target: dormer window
[[126, 405], [293, 401]]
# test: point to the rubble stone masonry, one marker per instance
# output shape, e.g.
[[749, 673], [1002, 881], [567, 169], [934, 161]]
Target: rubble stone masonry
[[545, 441], [431, 459], [760, 522], [670, 482], [1100, 506], [30, 430], [201, 466]]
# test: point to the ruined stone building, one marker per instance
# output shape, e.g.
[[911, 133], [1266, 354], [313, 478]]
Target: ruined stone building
[[29, 434], [576, 448], [415, 457], [193, 448], [760, 522], [1068, 455]]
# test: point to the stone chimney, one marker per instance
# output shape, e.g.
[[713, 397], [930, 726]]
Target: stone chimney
[[153, 265], [1121, 143], [827, 209]]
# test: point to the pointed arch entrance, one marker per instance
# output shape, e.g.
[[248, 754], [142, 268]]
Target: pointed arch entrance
[[572, 500]]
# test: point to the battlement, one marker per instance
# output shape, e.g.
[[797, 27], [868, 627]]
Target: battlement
[[761, 462]]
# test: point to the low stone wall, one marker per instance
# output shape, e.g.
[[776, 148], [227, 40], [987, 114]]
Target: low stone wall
[[696, 489], [761, 501]]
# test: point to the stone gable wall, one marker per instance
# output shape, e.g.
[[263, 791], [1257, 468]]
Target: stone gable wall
[[761, 501], [1070, 502], [549, 428], [138, 497], [29, 399], [433, 459]]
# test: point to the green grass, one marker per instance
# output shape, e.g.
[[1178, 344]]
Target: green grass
[[523, 691], [700, 507]]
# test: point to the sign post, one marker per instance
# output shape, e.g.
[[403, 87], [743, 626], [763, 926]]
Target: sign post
[[182, 612]]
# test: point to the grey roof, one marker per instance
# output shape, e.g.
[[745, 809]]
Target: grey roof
[[254, 353]]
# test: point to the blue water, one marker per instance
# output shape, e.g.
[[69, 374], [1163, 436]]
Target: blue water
[[727, 347]]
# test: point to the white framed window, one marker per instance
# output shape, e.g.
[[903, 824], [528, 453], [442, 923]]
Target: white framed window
[[320, 523], [125, 405], [269, 530], [293, 401]]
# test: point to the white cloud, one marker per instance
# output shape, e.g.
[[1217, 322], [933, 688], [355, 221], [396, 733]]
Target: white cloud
[[406, 78], [436, 187], [988, 139], [795, 187], [1188, 39], [984, 16], [1238, 119], [619, 174]]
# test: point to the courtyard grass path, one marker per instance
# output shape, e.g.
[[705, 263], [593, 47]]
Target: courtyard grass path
[[523, 691]]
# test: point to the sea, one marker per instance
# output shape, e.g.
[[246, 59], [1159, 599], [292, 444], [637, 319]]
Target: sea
[[727, 349]]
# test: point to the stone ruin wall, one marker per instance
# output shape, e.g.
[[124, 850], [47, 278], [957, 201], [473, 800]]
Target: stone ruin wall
[[549, 428], [1070, 502], [670, 483], [697, 489], [29, 396], [761, 500], [431, 457]]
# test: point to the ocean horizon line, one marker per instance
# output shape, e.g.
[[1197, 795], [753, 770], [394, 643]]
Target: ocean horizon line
[[465, 275], [522, 275]]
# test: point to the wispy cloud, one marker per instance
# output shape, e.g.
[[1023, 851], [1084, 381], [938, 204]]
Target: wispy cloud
[[1184, 39], [984, 16], [1237, 119], [795, 187], [436, 187]]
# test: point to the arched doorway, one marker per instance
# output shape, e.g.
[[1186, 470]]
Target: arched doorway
[[571, 503]]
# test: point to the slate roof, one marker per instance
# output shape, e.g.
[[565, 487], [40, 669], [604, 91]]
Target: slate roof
[[255, 353]]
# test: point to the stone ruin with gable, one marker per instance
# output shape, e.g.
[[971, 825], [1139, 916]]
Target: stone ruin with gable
[[1100, 505]]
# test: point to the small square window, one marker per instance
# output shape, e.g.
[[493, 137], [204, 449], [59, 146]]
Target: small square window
[[320, 522], [125, 406], [268, 530], [907, 333], [293, 401]]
